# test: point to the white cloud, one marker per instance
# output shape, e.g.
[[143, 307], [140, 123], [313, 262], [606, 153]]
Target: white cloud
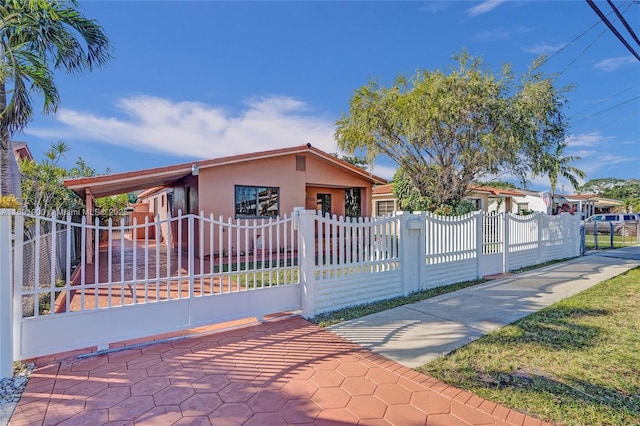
[[385, 172], [193, 129], [586, 139], [484, 7], [612, 64], [544, 48], [434, 7], [500, 33]]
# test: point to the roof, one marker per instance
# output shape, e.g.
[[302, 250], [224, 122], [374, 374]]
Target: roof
[[597, 200], [21, 150], [497, 191], [388, 190], [118, 183]]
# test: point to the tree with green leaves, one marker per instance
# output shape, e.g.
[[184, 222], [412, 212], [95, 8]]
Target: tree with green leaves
[[448, 129], [555, 165], [612, 188], [42, 182], [353, 160], [36, 38], [43, 188], [627, 191]]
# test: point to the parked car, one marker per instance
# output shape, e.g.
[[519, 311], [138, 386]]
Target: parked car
[[625, 224]]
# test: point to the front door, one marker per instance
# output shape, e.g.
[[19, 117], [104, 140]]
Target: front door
[[324, 203]]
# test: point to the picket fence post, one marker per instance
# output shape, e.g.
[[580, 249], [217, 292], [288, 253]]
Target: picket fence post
[[479, 242], [412, 250], [6, 295], [307, 254], [505, 243]]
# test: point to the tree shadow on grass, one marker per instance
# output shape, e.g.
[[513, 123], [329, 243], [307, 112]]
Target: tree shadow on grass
[[615, 405], [553, 328], [558, 329]]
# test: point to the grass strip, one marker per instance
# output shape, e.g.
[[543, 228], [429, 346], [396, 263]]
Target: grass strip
[[576, 362], [357, 311]]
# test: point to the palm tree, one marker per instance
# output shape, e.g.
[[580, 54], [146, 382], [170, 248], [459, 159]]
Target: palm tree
[[36, 38], [556, 165]]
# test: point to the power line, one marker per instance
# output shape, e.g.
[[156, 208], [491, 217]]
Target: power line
[[608, 109], [586, 48], [612, 28], [624, 22], [582, 53], [617, 120], [577, 114]]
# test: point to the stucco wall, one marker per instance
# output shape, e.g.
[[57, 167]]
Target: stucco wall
[[217, 184]]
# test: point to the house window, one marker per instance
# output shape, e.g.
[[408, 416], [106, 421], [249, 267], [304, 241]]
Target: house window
[[256, 201], [301, 163], [384, 208], [523, 207], [352, 207], [477, 203]]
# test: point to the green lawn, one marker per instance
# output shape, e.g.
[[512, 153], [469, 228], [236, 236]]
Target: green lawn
[[576, 362]]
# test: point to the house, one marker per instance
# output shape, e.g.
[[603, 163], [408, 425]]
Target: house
[[21, 150], [484, 198], [248, 186], [587, 204], [533, 201]]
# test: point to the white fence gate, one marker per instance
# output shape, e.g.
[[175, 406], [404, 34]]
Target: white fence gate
[[209, 270]]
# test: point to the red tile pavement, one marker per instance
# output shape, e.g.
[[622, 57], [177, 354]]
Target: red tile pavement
[[283, 372]]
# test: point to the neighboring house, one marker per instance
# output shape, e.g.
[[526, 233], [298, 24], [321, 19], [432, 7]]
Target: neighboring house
[[21, 150], [588, 204], [249, 186], [485, 198], [532, 201]]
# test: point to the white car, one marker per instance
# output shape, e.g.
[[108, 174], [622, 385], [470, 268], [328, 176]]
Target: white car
[[625, 224]]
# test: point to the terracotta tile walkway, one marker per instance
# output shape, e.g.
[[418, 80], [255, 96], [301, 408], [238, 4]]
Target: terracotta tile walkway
[[277, 373]]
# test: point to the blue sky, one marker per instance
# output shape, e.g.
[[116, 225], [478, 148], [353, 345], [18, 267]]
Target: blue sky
[[194, 80]]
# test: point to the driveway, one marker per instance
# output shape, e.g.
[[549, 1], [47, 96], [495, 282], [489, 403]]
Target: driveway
[[283, 372]]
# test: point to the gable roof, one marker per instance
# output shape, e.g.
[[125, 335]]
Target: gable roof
[[119, 183]]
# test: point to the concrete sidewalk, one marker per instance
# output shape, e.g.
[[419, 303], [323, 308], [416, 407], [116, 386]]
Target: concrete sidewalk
[[415, 334]]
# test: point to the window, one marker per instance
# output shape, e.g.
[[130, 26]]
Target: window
[[256, 201], [384, 208], [523, 207], [477, 203]]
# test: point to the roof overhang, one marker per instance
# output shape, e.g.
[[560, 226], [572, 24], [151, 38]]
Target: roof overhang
[[123, 183], [120, 183]]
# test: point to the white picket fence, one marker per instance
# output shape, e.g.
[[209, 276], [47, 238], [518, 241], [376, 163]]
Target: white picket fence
[[129, 284]]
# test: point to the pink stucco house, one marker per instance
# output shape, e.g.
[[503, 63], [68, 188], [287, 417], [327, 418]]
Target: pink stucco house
[[258, 185]]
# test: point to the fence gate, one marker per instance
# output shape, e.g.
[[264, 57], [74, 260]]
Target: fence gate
[[79, 285], [493, 238]]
